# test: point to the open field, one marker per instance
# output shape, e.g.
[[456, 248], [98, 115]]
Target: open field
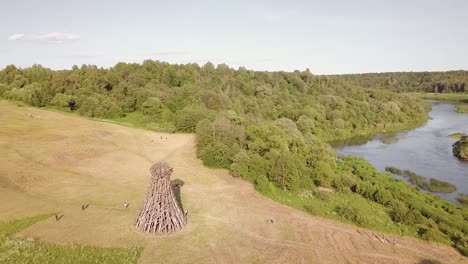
[[54, 162]]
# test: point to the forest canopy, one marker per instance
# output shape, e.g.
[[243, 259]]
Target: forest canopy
[[279, 119], [427, 82]]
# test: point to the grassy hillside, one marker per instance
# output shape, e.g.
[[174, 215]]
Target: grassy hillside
[[269, 128], [106, 165], [17, 250]]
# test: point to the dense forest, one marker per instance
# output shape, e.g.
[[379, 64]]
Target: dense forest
[[428, 82], [270, 128]]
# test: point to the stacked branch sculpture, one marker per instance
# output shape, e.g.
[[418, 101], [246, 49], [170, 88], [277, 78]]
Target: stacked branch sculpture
[[161, 212]]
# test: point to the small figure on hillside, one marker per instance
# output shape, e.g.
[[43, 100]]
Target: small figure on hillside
[[394, 242], [57, 217], [126, 205], [161, 137], [270, 221], [186, 212], [84, 206]]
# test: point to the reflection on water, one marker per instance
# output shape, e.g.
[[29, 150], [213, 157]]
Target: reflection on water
[[427, 150]]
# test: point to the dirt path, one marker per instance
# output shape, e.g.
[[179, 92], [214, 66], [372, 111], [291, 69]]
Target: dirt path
[[57, 162]]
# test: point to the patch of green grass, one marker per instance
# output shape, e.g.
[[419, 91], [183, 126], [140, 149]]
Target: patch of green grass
[[134, 119], [433, 185], [441, 186], [26, 251], [346, 207], [12, 227], [460, 148], [463, 198], [14, 250], [456, 135], [463, 109], [393, 170]]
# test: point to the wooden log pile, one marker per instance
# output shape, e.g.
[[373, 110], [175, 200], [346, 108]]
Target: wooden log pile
[[160, 212]]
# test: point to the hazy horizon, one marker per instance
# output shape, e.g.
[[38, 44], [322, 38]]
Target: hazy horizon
[[337, 37]]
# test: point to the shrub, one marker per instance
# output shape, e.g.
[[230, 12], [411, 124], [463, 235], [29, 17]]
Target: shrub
[[344, 182], [393, 170], [441, 186], [152, 107], [353, 214], [186, 119], [35, 95], [217, 155], [264, 186], [365, 189], [4, 88], [61, 100], [400, 210], [324, 196], [435, 235], [99, 107], [382, 196]]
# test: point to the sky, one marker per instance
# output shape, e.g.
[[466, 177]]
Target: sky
[[328, 37]]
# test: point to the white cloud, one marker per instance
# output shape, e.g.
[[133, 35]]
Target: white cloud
[[16, 37], [53, 37]]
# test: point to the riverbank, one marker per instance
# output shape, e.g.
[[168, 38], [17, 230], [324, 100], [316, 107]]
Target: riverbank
[[455, 97], [367, 134], [426, 150]]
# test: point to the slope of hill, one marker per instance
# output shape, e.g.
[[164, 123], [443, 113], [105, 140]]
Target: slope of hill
[[54, 162]]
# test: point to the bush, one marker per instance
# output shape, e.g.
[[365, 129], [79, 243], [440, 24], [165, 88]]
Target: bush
[[262, 185], [323, 174], [399, 210], [382, 196], [99, 107], [435, 235], [441, 186], [61, 100], [463, 199], [186, 119], [393, 170], [217, 155], [365, 189], [344, 182], [4, 88], [353, 214], [152, 107], [35, 95], [311, 210], [324, 196]]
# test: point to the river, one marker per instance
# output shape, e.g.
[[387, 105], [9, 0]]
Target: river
[[426, 150]]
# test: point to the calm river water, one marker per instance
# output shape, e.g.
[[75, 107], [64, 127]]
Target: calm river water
[[426, 150]]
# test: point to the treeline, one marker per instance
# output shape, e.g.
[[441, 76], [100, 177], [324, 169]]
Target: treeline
[[277, 121], [428, 82], [269, 128]]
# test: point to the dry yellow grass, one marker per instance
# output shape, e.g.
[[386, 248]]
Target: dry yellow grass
[[56, 162]]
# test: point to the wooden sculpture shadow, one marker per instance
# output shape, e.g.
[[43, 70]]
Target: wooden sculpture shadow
[[176, 186]]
